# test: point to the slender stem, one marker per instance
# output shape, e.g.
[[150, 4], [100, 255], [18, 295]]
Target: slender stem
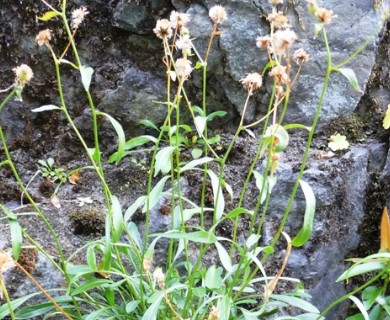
[[3, 290]]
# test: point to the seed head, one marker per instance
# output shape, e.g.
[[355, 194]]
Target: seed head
[[43, 37], [214, 314], [159, 276], [147, 264], [23, 74], [218, 14], [279, 20], [78, 16], [282, 40], [300, 56], [324, 15], [183, 68], [184, 43], [178, 19], [280, 74], [252, 81], [6, 262], [263, 42], [163, 29]]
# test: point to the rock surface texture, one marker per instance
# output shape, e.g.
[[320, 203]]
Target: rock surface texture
[[118, 42]]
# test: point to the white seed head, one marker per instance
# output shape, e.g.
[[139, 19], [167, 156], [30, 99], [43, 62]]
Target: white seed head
[[183, 68], [163, 29], [252, 81], [179, 19], [218, 14], [23, 74], [78, 16], [43, 37]]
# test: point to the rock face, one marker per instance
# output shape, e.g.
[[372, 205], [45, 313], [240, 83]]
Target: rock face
[[118, 42]]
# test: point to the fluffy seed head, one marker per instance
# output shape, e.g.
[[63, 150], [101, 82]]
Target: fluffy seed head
[[163, 29], [6, 261], [184, 43], [282, 40], [324, 15], [43, 37], [78, 16], [279, 20], [252, 81], [147, 264], [263, 42], [159, 276], [183, 68], [23, 74], [214, 314], [280, 74], [178, 19], [218, 14], [300, 56]]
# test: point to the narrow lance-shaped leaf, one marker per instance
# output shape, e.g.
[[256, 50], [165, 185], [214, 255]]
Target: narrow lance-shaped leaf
[[304, 234], [49, 15], [219, 201], [16, 237], [386, 120], [46, 108], [117, 218], [163, 160], [120, 133], [351, 77]]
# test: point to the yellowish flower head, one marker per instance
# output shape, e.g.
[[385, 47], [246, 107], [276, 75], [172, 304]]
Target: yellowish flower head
[[252, 81], [43, 37], [23, 74]]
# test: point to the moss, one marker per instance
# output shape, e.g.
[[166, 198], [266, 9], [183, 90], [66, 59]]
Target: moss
[[28, 258], [350, 126], [88, 221]]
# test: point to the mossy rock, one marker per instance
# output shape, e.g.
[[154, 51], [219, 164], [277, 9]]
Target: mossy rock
[[88, 221]]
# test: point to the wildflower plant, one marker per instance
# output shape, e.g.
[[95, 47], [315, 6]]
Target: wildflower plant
[[120, 278]]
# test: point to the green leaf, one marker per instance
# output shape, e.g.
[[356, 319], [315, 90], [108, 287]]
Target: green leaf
[[213, 278], [304, 234], [91, 257], [133, 208], [252, 240], [215, 114], [150, 124], [196, 153], [361, 307], [261, 184], [196, 236], [359, 269], [131, 144], [369, 295], [386, 120], [131, 306], [338, 142], [120, 133], [295, 302], [46, 108], [224, 256], [4, 311], [235, 212], [49, 15], [198, 65], [198, 110], [90, 284], [155, 194], [16, 237], [351, 77], [117, 218], [164, 160], [296, 126], [135, 235], [200, 124], [86, 76], [194, 163], [152, 311], [219, 201], [224, 306]]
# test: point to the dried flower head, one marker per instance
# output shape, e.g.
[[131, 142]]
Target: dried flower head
[[324, 15], [279, 20], [78, 16], [252, 81], [214, 314], [163, 29], [218, 14], [6, 261], [280, 74], [147, 264], [159, 276], [184, 43], [300, 56], [43, 37], [282, 40], [275, 2], [263, 42], [183, 68], [23, 74], [179, 19]]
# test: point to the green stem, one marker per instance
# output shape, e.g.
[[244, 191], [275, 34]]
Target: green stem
[[5, 293]]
